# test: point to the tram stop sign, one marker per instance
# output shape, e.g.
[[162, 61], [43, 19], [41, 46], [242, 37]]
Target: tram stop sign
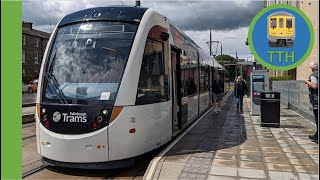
[[281, 37]]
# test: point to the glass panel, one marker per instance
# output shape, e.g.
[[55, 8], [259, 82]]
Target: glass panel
[[289, 23], [273, 22], [204, 79], [87, 61], [281, 22], [151, 87]]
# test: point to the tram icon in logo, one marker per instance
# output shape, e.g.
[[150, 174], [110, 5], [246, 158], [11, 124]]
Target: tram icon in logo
[[56, 116], [281, 30]]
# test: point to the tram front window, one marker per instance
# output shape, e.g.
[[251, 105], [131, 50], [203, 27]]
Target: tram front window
[[87, 61], [289, 23], [273, 23]]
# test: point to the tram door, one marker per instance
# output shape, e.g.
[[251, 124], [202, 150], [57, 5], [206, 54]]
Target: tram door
[[176, 90]]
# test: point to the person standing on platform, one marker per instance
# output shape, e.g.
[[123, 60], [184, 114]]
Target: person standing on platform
[[218, 91], [312, 83], [240, 91]]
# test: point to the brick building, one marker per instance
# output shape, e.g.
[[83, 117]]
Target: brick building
[[311, 9], [34, 43]]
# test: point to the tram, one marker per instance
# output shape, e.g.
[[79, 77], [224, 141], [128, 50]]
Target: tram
[[115, 83], [281, 29]]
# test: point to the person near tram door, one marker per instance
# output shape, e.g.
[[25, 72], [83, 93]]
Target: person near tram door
[[312, 83], [218, 91], [240, 91]]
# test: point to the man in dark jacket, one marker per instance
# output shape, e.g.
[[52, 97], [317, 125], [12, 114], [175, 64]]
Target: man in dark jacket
[[218, 91], [240, 91], [312, 83]]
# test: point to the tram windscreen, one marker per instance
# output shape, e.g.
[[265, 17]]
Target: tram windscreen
[[87, 61], [273, 22]]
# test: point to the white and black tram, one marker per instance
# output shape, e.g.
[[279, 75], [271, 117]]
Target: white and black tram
[[115, 83]]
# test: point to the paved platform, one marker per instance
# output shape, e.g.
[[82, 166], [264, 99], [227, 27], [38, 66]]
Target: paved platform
[[28, 114], [28, 110], [231, 145]]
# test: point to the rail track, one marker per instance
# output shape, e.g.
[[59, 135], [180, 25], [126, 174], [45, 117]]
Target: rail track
[[33, 171]]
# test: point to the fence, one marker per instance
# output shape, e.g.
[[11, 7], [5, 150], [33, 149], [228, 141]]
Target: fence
[[294, 95]]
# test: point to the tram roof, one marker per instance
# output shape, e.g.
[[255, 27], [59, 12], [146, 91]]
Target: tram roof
[[112, 13], [120, 13]]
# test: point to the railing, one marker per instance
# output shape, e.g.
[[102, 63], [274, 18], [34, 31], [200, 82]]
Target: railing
[[294, 95]]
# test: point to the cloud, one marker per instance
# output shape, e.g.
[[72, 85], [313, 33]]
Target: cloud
[[187, 15], [229, 20], [204, 15], [50, 12], [232, 41]]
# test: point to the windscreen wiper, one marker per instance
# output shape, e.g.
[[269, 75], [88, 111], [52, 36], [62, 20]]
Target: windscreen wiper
[[52, 78]]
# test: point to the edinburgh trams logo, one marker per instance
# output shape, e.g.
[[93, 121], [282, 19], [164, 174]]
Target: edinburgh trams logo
[[56, 116], [281, 37], [72, 117]]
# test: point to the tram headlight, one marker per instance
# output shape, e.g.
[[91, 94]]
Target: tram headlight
[[104, 112]]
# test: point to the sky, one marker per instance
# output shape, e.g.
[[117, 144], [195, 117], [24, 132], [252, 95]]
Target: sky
[[228, 20]]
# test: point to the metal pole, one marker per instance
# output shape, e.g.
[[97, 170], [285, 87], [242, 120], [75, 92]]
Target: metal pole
[[138, 3], [210, 44], [254, 62], [221, 47]]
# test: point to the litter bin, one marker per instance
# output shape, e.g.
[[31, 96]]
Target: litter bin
[[270, 109]]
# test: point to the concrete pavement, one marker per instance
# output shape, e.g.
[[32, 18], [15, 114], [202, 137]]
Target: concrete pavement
[[28, 114], [230, 145], [29, 98]]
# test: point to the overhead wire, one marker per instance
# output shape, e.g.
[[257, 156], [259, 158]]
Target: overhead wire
[[198, 16], [121, 2]]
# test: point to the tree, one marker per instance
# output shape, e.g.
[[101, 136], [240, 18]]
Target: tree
[[227, 59]]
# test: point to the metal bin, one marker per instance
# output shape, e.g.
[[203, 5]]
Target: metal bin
[[270, 109]]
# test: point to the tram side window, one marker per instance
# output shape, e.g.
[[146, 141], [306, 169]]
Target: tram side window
[[289, 23], [204, 79], [191, 83], [151, 87]]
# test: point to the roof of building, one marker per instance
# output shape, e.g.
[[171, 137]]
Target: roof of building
[[34, 32]]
